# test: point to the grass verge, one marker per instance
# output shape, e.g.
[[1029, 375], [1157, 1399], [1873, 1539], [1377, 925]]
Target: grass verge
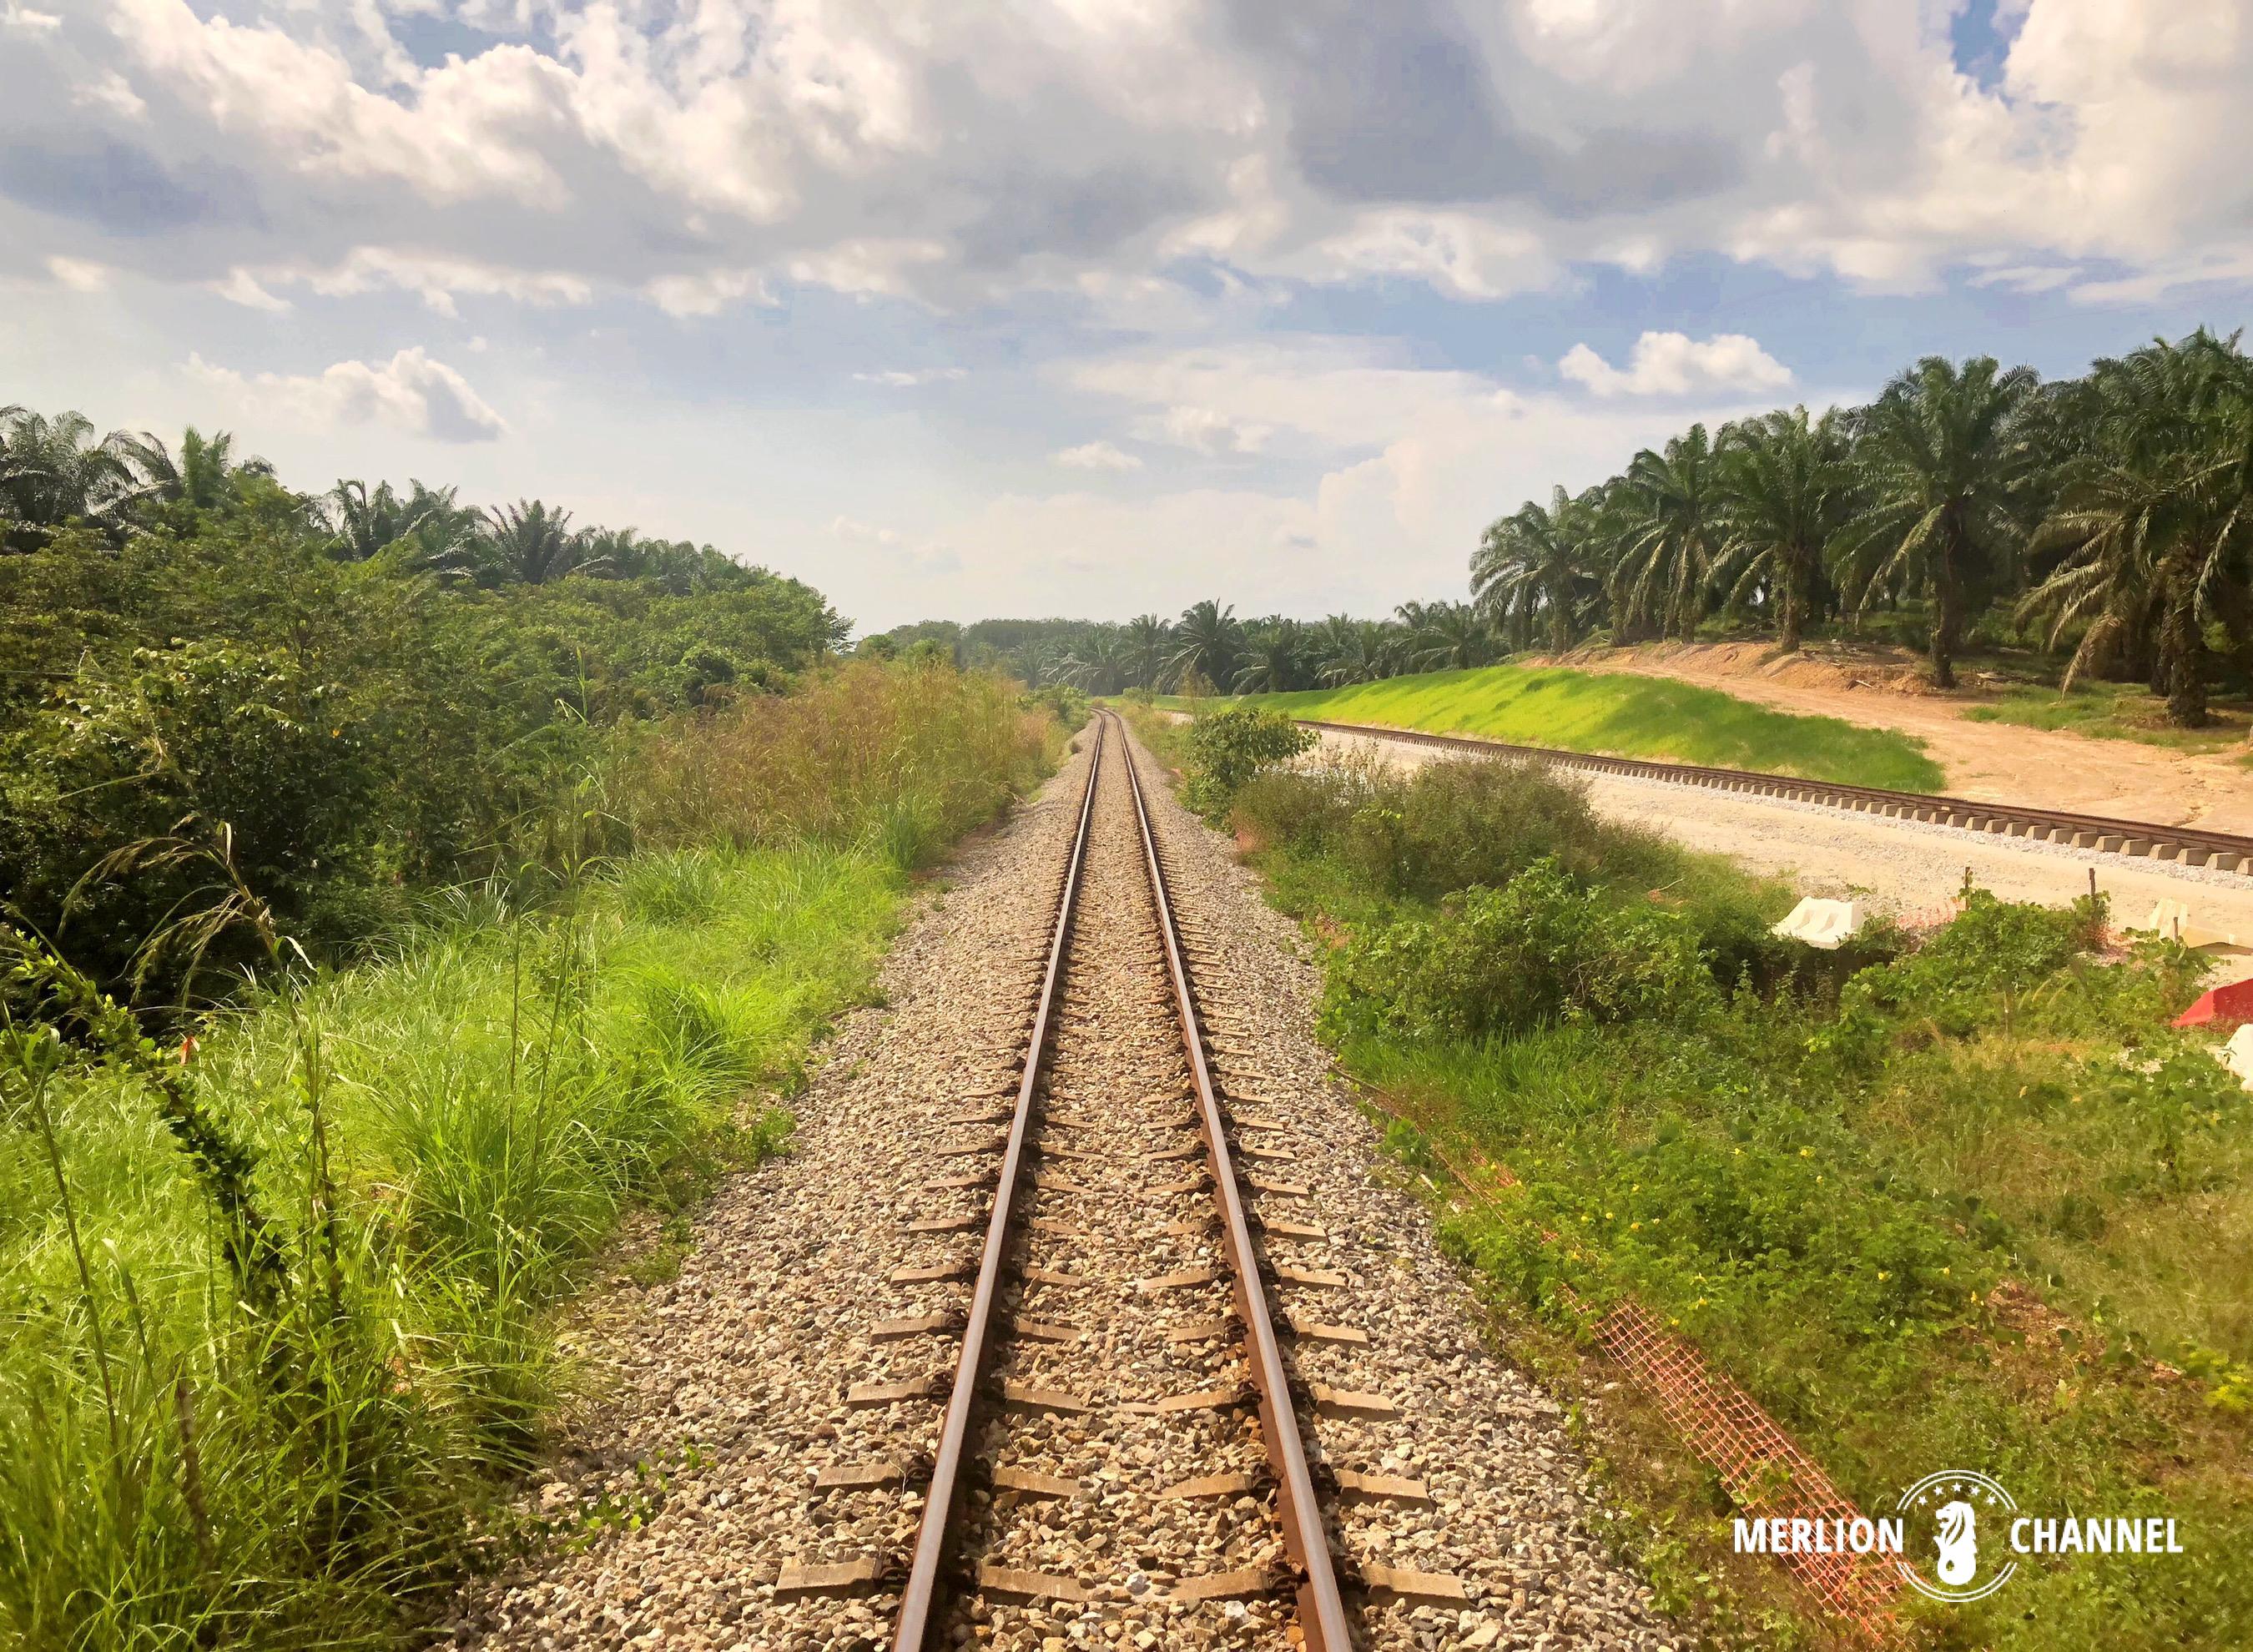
[[2114, 711], [1966, 1201], [1626, 715], [282, 1303]]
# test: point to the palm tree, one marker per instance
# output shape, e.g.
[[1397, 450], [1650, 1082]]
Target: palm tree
[[1207, 641], [1097, 662], [1785, 490], [1940, 465], [1666, 555], [1351, 651], [1149, 645], [1275, 652], [2150, 514], [1535, 562], [428, 524], [53, 471], [528, 543], [1452, 637], [203, 476]]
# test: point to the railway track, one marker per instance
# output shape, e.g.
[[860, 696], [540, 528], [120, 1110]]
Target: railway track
[[1121, 1427], [2225, 851]]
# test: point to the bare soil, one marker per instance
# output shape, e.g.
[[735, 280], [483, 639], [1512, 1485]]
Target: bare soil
[[1883, 688]]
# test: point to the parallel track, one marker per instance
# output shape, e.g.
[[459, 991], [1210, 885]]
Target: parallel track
[[937, 1569], [2191, 845]]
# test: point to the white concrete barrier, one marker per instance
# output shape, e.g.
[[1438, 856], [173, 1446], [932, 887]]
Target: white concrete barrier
[[1823, 924], [2238, 1054]]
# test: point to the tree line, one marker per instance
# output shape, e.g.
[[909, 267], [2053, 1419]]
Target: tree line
[[335, 699], [2110, 514], [2107, 518]]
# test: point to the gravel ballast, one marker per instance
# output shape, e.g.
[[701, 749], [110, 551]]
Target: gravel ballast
[[756, 1360]]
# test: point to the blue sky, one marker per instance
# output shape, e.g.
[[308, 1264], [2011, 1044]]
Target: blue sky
[[1083, 306]]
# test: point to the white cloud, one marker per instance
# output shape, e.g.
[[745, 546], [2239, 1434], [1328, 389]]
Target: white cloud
[[707, 294], [242, 286], [410, 392], [1673, 364], [1096, 455], [903, 378], [1207, 430], [79, 274], [113, 93], [922, 557]]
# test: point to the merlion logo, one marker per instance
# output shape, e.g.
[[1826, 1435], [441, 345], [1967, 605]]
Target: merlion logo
[[1944, 1510], [1958, 1543]]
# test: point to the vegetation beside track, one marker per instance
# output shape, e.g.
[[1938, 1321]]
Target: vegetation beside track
[[1966, 1201], [1626, 715], [281, 1298]]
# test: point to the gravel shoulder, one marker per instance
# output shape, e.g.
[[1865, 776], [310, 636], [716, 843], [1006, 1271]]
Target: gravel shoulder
[[1901, 867], [749, 1355]]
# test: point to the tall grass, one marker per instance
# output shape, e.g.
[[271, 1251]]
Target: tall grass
[[1629, 716], [903, 757], [185, 1469], [279, 1306]]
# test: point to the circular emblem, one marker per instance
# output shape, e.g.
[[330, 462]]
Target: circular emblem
[[1946, 1516]]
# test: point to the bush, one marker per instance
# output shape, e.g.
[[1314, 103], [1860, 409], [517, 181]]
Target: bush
[[1227, 748], [903, 757], [1544, 949]]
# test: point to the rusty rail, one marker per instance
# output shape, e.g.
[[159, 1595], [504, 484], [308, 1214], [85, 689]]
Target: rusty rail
[[1322, 1608], [2192, 845], [919, 1598]]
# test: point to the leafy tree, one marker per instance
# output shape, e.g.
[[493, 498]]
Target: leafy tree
[[1940, 465]]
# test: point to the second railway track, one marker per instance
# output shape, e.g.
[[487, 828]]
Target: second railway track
[[1104, 1341]]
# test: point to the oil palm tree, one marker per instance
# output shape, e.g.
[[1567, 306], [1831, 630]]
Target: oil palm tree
[[1351, 651], [1785, 490], [1673, 531], [527, 543], [2150, 514], [1534, 564], [1150, 643], [202, 475], [1452, 637], [1940, 465], [1274, 657], [1207, 641], [53, 471]]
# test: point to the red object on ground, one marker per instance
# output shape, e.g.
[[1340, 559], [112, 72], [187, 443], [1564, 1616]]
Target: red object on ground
[[2224, 1006]]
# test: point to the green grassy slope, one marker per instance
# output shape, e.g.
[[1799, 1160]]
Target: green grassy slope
[[1633, 716]]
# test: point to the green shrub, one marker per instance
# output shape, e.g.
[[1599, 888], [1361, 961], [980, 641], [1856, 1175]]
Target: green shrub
[[1227, 748], [1543, 949]]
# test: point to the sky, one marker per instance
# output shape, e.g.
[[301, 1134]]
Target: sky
[[960, 308]]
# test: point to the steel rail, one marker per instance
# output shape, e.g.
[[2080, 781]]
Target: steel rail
[[920, 1599], [1321, 1607], [1837, 793]]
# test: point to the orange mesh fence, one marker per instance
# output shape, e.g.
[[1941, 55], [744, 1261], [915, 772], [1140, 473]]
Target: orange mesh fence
[[1767, 1474]]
